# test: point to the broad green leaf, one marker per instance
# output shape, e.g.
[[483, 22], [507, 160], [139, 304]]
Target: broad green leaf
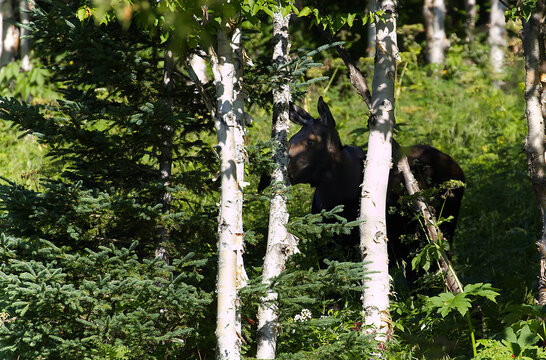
[[526, 337], [446, 302], [268, 11], [304, 12], [350, 19], [481, 289]]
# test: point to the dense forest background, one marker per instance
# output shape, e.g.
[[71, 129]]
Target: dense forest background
[[85, 210]]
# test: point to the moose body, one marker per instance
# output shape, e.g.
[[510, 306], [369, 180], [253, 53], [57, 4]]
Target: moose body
[[317, 157]]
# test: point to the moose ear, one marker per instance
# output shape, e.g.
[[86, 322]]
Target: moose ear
[[326, 117], [299, 116]]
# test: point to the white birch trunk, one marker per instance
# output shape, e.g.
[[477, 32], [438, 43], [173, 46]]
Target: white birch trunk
[[227, 68], [10, 39], [497, 40], [535, 61], [471, 13], [280, 244], [434, 12], [373, 230], [25, 43], [240, 152]]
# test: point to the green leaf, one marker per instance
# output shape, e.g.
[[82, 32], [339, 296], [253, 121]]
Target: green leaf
[[526, 337], [285, 11], [350, 19], [481, 289], [82, 13], [447, 302], [304, 12], [268, 11]]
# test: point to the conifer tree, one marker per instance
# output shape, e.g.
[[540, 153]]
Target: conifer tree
[[79, 275]]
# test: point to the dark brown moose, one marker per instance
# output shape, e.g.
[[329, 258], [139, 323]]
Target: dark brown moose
[[317, 157]]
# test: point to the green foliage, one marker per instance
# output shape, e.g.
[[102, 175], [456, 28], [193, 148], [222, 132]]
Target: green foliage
[[446, 302], [321, 314], [106, 313], [25, 84], [74, 281], [522, 11]]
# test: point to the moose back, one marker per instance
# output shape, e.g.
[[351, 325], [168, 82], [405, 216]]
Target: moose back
[[317, 157]]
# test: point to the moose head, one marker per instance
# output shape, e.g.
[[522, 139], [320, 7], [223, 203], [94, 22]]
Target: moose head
[[315, 148]]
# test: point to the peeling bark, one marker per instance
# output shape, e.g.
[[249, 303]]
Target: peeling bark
[[373, 231], [229, 124], [280, 244]]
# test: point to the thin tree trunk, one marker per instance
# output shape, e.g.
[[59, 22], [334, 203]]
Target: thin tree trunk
[[240, 136], [372, 31], [373, 230], [497, 41], [227, 68], [10, 44], [165, 156], [471, 14], [533, 45], [25, 42], [280, 244], [434, 12]]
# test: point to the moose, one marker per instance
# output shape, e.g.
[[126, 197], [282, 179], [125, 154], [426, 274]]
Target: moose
[[316, 156]]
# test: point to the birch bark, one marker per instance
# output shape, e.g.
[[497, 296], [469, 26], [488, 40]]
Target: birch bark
[[471, 13], [25, 43], [229, 123], [434, 12], [10, 36], [535, 66], [280, 244], [373, 231], [497, 41]]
